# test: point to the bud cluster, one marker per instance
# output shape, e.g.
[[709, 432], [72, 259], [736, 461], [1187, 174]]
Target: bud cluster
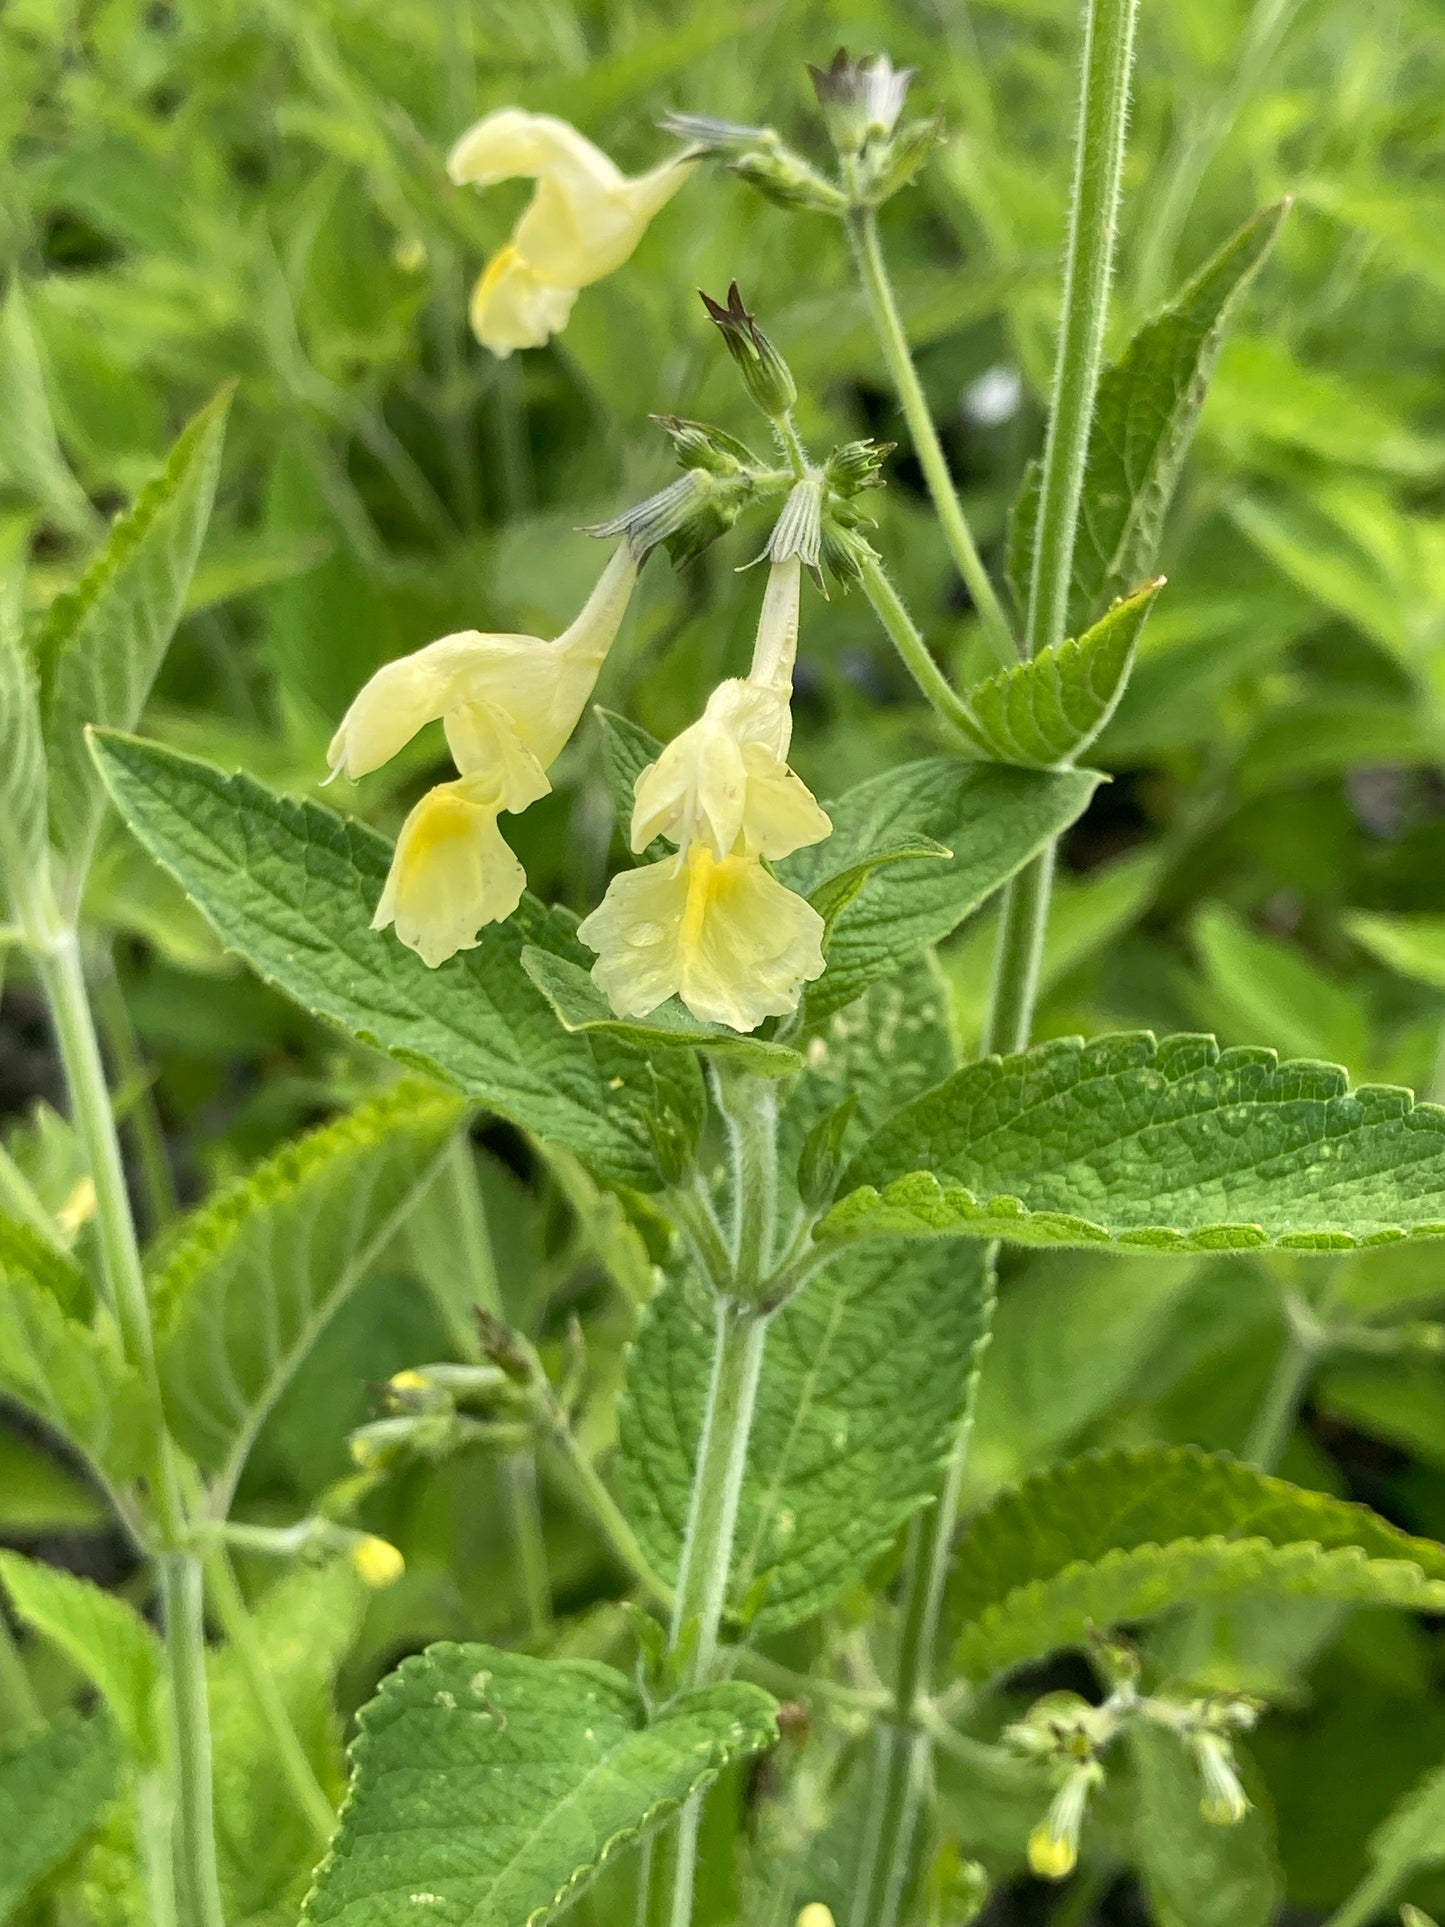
[[1070, 1736], [432, 1411]]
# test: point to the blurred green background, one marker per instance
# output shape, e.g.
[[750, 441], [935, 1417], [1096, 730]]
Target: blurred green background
[[193, 192]]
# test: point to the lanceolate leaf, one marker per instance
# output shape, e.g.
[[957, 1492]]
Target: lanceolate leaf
[[251, 1279], [52, 1788], [1144, 419], [292, 888], [70, 1376], [1413, 1834], [866, 1375], [581, 1006], [22, 770], [103, 642], [101, 1635], [1044, 712], [992, 819], [1118, 1536], [1172, 1145], [488, 1788]]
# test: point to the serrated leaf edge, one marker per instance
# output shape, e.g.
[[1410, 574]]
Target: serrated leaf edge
[[578, 1881]]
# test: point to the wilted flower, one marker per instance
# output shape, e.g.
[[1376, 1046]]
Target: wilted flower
[[1225, 1801], [584, 219], [714, 926], [508, 704]]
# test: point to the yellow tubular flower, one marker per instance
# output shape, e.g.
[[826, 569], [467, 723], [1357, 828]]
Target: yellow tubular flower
[[508, 705], [583, 220], [714, 927]]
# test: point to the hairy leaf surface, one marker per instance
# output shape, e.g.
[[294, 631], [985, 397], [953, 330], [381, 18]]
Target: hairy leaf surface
[[101, 1635], [53, 1785], [292, 887], [1172, 1145], [1041, 713], [487, 1787], [992, 819], [1119, 1536], [250, 1280], [865, 1377], [103, 642]]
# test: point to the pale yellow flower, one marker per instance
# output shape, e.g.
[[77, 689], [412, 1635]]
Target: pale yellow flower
[[584, 219], [714, 927], [377, 1561], [726, 937], [508, 705], [452, 874]]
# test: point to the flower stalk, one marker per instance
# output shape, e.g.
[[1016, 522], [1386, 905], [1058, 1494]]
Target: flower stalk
[[1088, 272]]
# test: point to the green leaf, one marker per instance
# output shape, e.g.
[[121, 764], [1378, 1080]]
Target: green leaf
[[1412, 1834], [70, 1376], [25, 1251], [865, 1377], [1042, 713], [489, 1787], [831, 897], [1121, 1536], [1144, 419], [102, 643], [629, 749], [307, 1623], [251, 1279], [1171, 1145], [1413, 946], [30, 454], [52, 1789], [1260, 987], [102, 1636], [993, 819], [580, 1006], [22, 773], [292, 887], [1196, 1874]]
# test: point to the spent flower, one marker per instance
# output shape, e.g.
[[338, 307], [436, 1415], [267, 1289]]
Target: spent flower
[[584, 220]]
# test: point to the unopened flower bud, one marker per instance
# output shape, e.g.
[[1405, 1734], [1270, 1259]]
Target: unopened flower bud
[[1225, 1802], [815, 1914], [861, 99], [786, 179], [766, 376], [856, 466], [700, 445], [1054, 1842], [845, 549], [377, 1561], [894, 167]]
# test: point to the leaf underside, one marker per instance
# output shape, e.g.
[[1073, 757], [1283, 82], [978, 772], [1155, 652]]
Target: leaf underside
[[1168, 1145], [487, 1788]]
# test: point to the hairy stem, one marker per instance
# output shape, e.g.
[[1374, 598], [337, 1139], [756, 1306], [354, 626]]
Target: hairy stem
[[902, 632], [888, 326], [1088, 270], [178, 1563], [1369, 1901], [241, 1637]]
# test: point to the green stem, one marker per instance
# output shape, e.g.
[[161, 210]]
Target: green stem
[[178, 1565], [153, 1165], [1370, 1898], [153, 1828], [902, 632], [892, 339], [519, 1472], [750, 1106], [1088, 270], [702, 1579], [242, 1639], [1275, 1419], [604, 1510]]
